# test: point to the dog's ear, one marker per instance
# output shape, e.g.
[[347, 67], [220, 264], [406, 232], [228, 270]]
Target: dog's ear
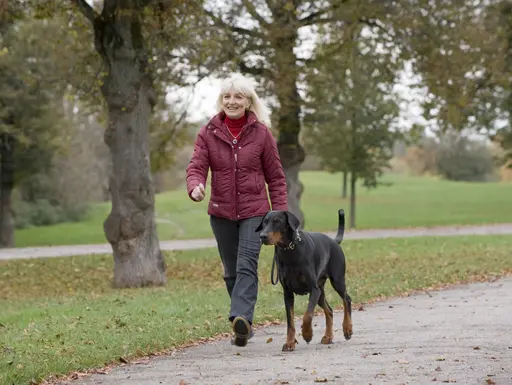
[[292, 220], [260, 226]]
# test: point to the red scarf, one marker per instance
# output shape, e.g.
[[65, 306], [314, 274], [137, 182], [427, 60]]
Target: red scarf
[[235, 125]]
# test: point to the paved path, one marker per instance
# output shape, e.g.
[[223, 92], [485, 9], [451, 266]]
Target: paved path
[[61, 251], [461, 335]]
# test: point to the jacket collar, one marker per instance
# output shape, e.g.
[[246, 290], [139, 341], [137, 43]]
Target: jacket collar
[[217, 121]]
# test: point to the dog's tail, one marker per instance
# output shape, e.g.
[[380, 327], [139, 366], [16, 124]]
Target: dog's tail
[[341, 226]]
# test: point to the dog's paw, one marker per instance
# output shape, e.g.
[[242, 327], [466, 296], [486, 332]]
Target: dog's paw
[[307, 329], [307, 332], [347, 330], [326, 340], [289, 346]]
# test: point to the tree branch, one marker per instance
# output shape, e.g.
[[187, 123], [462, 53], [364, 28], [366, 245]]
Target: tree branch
[[243, 31], [258, 71], [374, 23], [316, 17], [86, 10], [254, 13]]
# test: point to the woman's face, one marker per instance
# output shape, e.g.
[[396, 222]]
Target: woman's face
[[234, 104]]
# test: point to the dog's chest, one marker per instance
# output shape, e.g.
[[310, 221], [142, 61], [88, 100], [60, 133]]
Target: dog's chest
[[294, 278]]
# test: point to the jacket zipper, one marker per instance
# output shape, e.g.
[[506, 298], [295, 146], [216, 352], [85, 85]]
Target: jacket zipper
[[235, 154]]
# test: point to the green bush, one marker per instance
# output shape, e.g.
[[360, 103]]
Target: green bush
[[43, 213], [37, 202], [462, 159]]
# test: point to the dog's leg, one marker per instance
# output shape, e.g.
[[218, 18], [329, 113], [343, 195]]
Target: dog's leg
[[290, 321], [347, 317], [328, 335], [307, 320], [339, 286]]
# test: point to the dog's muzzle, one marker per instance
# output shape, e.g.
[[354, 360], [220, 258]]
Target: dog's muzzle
[[264, 239]]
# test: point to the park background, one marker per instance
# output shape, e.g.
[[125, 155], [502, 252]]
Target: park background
[[397, 112]]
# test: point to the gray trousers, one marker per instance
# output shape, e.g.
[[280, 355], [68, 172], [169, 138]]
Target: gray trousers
[[239, 248]]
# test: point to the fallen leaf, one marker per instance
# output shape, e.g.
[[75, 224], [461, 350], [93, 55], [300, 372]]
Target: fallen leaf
[[490, 381], [100, 372], [313, 372], [282, 382], [376, 354], [440, 359], [476, 348], [269, 340], [182, 382], [403, 362], [438, 369], [123, 360], [361, 308], [320, 379], [449, 380]]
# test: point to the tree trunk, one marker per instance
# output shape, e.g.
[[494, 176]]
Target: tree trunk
[[352, 221], [284, 40], [7, 143], [130, 227], [344, 187]]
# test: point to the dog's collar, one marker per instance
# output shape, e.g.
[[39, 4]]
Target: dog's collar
[[291, 245]]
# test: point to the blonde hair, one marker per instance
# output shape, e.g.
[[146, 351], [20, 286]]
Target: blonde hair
[[239, 83]]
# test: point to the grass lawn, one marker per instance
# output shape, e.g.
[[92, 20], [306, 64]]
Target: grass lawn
[[60, 315], [407, 202]]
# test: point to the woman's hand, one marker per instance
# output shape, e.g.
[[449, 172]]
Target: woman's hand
[[198, 193]]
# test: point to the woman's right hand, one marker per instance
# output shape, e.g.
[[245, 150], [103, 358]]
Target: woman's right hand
[[198, 193]]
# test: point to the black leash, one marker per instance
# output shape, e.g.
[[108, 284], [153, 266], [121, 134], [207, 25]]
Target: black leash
[[277, 269]]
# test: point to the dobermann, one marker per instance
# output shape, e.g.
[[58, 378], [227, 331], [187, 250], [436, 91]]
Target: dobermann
[[304, 262]]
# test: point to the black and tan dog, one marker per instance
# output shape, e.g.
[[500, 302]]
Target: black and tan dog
[[304, 262]]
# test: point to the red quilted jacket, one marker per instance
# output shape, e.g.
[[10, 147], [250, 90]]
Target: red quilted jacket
[[239, 171]]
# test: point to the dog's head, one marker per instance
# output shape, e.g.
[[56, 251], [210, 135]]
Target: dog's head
[[277, 227]]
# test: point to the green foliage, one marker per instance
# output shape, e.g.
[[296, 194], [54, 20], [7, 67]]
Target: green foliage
[[462, 159], [463, 53], [29, 98], [39, 202], [351, 109]]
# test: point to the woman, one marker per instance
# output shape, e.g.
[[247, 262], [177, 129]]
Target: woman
[[241, 153]]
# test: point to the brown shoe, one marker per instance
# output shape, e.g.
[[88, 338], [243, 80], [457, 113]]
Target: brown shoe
[[242, 330]]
